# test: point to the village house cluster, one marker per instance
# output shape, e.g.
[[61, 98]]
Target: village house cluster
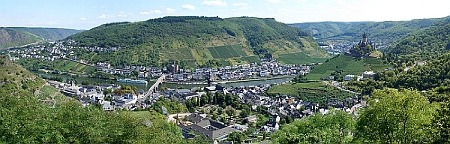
[[57, 50], [279, 108], [238, 72], [66, 50], [92, 95]]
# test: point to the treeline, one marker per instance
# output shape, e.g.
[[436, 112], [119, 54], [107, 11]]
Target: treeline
[[392, 116], [385, 32], [171, 19], [218, 98]]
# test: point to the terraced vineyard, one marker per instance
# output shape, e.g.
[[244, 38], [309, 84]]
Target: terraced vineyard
[[317, 92], [251, 59], [348, 65], [227, 51], [298, 58]]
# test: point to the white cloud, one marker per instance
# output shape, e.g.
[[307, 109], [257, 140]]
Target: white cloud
[[156, 11], [274, 1], [103, 16], [214, 3], [240, 4], [150, 12], [122, 14], [170, 11], [83, 19], [145, 12], [188, 6]]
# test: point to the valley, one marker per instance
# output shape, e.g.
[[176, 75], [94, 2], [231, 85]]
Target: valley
[[215, 71]]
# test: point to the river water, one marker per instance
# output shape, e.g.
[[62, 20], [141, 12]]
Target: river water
[[167, 85]]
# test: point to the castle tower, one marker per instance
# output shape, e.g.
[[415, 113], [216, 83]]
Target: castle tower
[[365, 41]]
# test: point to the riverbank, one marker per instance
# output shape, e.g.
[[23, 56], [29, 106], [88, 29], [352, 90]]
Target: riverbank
[[173, 85], [229, 81]]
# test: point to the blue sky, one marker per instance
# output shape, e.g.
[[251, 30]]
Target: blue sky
[[86, 14]]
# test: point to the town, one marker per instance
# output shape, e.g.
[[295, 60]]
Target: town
[[267, 68], [261, 112]]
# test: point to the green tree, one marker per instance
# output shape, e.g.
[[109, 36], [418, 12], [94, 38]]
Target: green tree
[[335, 127], [395, 116], [236, 137], [230, 112]]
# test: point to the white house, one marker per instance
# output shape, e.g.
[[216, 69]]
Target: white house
[[368, 75]]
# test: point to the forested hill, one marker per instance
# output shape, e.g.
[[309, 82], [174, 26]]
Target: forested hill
[[424, 45], [385, 32], [18, 36], [201, 37], [48, 34], [192, 31], [435, 73]]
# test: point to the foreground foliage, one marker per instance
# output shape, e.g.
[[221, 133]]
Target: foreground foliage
[[392, 116], [335, 127], [396, 116], [27, 117]]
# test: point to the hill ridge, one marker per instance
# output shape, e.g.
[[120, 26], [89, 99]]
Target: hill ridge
[[255, 37]]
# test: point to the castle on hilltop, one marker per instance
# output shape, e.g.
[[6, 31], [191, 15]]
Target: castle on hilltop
[[364, 47]]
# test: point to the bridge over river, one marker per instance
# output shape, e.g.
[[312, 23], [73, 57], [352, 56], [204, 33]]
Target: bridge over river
[[154, 88]]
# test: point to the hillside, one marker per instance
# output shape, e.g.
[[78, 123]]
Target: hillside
[[342, 65], [48, 34], [424, 45], [17, 81], [28, 116], [10, 38], [435, 73], [18, 36], [198, 40], [385, 32]]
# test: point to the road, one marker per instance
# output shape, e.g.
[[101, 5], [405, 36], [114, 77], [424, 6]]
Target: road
[[338, 85]]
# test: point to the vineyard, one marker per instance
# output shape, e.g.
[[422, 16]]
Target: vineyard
[[227, 51]]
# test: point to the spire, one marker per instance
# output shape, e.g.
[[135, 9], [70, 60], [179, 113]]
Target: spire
[[364, 35]]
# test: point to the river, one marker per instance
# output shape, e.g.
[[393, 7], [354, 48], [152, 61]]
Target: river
[[168, 85]]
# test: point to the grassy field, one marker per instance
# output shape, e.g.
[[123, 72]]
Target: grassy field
[[226, 51], [348, 64], [299, 58], [317, 92]]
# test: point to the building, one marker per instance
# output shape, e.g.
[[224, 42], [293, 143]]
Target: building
[[107, 106], [364, 47], [369, 75], [349, 77], [173, 68], [211, 129]]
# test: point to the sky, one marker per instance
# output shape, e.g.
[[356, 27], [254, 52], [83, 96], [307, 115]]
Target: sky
[[86, 14]]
